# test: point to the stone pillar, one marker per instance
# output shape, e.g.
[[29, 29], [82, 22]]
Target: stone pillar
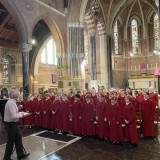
[[25, 48], [93, 82], [126, 59], [109, 56], [104, 62]]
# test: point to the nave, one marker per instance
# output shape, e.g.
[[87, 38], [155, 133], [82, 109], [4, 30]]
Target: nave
[[44, 145]]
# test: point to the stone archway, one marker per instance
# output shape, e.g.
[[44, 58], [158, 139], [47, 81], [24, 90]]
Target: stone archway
[[20, 23]]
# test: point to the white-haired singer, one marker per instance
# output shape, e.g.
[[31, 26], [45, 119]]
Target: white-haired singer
[[11, 118]]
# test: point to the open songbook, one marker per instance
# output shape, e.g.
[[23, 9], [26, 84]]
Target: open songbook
[[24, 114]]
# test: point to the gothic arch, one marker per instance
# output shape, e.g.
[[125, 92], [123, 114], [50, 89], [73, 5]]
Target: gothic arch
[[18, 18], [52, 25], [149, 16], [137, 18], [55, 33]]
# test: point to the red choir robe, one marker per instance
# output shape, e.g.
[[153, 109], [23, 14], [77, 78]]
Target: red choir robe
[[38, 113], [147, 112], [108, 100], [82, 99], [55, 118], [29, 120], [102, 128], [138, 100], [46, 110], [21, 120], [107, 95], [52, 98], [114, 117], [131, 133], [121, 102], [65, 115], [88, 127], [76, 111], [154, 97], [95, 99], [71, 99]]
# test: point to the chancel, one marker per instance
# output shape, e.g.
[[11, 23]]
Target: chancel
[[80, 79]]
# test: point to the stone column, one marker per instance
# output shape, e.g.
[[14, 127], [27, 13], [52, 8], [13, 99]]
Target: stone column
[[25, 48], [109, 56], [93, 82], [104, 62]]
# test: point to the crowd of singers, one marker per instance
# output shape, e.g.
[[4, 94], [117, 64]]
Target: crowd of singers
[[94, 114]]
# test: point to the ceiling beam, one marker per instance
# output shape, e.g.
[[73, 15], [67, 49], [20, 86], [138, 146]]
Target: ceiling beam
[[6, 20], [8, 44]]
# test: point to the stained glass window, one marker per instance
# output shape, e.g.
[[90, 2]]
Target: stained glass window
[[5, 71], [116, 38], [48, 55], [156, 32], [134, 27], [86, 46]]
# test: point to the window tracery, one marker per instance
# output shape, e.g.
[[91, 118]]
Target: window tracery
[[48, 55], [156, 33], [5, 72], [116, 38], [134, 27]]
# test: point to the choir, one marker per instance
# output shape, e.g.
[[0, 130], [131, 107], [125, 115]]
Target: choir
[[113, 116]]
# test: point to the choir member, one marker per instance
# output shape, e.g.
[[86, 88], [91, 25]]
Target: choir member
[[65, 114], [137, 99], [52, 96], [148, 111], [131, 134], [38, 111], [46, 111], [88, 127], [29, 121], [114, 120], [108, 98], [154, 96], [82, 99], [21, 108], [76, 111], [102, 128], [94, 97], [55, 118], [121, 101], [70, 97]]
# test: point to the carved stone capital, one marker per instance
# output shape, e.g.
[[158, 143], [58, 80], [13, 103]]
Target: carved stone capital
[[25, 47]]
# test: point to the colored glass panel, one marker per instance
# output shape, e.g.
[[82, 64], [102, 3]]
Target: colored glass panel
[[116, 38], [156, 32], [134, 27]]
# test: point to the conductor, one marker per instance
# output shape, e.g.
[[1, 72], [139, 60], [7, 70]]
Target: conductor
[[11, 118]]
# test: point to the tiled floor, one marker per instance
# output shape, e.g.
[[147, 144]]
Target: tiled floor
[[42, 148]]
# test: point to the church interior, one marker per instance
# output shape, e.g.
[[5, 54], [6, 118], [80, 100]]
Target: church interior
[[60, 46]]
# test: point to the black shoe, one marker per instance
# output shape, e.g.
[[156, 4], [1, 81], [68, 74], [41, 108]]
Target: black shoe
[[23, 156]]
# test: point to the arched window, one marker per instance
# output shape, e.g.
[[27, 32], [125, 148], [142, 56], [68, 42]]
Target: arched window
[[5, 71], [116, 38], [134, 27], [48, 55], [156, 32], [86, 46]]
